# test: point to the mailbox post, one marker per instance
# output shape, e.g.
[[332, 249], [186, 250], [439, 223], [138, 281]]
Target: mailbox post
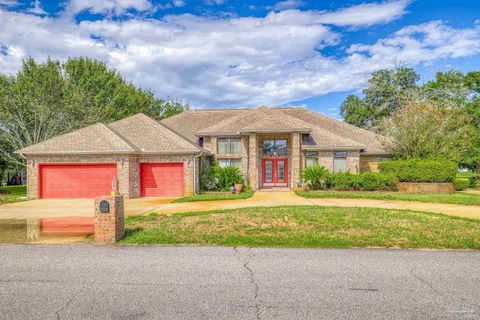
[[109, 219]]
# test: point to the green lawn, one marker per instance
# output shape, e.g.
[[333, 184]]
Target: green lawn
[[306, 226], [215, 196], [13, 194], [455, 198]]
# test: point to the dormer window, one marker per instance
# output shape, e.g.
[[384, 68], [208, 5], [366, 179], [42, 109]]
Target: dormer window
[[200, 142]]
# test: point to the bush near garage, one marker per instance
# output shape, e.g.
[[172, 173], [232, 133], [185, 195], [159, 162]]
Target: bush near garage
[[420, 170]]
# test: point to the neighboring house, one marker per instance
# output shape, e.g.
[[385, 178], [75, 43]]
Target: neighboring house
[[150, 158]]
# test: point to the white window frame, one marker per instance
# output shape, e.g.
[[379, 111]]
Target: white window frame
[[229, 160], [311, 156]]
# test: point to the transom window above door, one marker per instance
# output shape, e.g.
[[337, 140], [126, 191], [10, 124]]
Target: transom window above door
[[275, 147], [229, 146]]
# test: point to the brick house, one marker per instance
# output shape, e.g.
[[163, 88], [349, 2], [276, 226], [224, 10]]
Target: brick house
[[144, 157]]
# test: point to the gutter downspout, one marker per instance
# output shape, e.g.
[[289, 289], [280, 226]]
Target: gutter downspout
[[195, 180]]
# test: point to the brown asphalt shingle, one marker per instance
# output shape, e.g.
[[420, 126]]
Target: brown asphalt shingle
[[96, 138], [150, 136]]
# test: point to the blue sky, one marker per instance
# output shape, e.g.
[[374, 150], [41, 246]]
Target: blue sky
[[229, 53]]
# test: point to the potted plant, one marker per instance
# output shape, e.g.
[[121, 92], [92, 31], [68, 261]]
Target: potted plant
[[238, 183]]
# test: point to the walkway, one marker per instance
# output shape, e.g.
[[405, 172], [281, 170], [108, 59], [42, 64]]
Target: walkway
[[268, 199], [84, 207]]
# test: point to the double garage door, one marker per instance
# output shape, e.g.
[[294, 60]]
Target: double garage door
[[93, 180]]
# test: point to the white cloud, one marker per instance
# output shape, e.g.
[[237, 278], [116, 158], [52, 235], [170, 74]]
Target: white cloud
[[213, 2], [9, 3], [37, 8], [229, 61], [367, 14], [288, 4], [109, 7]]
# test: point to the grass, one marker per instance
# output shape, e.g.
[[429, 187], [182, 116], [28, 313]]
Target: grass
[[454, 198], [215, 196], [306, 226], [13, 194]]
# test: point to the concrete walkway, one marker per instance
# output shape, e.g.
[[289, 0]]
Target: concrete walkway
[[84, 207]]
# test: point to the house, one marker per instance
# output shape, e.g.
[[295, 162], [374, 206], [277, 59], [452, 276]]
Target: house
[[142, 157]]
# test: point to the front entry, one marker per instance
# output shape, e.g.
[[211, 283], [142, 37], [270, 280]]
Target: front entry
[[275, 172]]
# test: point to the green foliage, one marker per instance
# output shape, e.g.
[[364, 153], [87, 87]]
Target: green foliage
[[461, 184], [52, 98], [228, 176], [425, 130], [208, 180], [315, 177], [386, 92], [363, 182], [418, 170], [471, 176]]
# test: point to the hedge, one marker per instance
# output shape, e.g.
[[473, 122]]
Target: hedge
[[471, 176], [363, 181], [461, 184], [418, 170]]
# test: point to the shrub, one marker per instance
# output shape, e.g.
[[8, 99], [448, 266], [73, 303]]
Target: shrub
[[418, 170], [363, 181], [208, 181], [315, 177], [227, 176], [471, 176], [461, 184]]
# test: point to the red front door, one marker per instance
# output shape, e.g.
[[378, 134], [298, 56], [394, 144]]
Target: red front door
[[275, 172]]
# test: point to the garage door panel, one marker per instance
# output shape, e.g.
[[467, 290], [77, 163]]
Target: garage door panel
[[76, 180], [161, 179]]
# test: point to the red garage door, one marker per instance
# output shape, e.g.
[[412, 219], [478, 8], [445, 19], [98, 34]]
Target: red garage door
[[161, 179], [76, 180]]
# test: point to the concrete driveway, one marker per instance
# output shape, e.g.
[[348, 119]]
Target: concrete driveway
[[84, 207], [183, 282], [50, 208]]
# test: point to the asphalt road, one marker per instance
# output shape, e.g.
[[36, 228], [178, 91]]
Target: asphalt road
[[155, 282]]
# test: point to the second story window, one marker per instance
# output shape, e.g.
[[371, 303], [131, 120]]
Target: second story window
[[229, 146]]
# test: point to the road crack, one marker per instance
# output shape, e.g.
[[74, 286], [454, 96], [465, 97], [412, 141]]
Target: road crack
[[445, 296], [251, 277], [76, 294]]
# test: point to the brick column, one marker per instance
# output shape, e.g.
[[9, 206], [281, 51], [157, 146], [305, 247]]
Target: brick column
[[295, 160], [109, 226], [252, 160]]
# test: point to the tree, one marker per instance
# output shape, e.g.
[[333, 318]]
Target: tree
[[355, 111], [423, 130], [48, 99], [387, 90]]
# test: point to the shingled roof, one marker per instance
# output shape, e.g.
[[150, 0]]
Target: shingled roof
[[150, 136], [97, 138], [135, 134], [325, 133]]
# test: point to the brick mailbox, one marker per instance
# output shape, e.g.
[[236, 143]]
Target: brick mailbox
[[109, 219]]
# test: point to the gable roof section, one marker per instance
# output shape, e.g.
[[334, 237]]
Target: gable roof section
[[97, 138], [256, 120], [372, 142], [188, 123], [150, 136]]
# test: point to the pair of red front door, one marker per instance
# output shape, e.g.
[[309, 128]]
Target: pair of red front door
[[275, 172]]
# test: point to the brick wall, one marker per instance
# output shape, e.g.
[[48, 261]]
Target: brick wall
[[252, 161], [369, 163]]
